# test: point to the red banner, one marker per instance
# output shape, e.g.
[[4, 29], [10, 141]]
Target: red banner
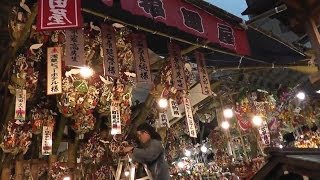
[[108, 2], [191, 19], [58, 14]]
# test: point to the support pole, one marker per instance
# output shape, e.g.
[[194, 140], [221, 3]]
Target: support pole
[[5, 174], [314, 35], [18, 170]]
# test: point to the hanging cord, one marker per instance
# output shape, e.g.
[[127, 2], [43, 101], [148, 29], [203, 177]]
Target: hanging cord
[[240, 61]]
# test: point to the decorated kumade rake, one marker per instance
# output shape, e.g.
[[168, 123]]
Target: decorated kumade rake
[[127, 162]]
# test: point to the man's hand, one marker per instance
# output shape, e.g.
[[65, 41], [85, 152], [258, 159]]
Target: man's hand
[[127, 149]]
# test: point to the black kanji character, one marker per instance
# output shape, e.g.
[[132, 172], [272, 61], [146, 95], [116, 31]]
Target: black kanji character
[[226, 34], [153, 7], [192, 20]]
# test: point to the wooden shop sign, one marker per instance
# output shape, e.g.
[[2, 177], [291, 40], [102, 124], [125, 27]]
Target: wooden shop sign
[[203, 74], [75, 48], [21, 101], [110, 55], [141, 56], [189, 117], [54, 70], [177, 67]]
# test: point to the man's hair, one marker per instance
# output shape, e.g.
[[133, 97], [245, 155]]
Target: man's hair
[[150, 130]]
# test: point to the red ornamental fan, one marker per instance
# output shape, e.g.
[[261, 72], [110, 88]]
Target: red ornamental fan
[[36, 126]]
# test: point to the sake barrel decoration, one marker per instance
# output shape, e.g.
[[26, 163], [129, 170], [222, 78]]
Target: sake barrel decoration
[[17, 137]]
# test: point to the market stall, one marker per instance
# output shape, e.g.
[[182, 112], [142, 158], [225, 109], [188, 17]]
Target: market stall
[[77, 81]]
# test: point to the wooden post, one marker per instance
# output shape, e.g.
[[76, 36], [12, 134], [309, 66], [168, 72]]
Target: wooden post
[[313, 33], [19, 170], [5, 174], [72, 159], [34, 169], [52, 159]]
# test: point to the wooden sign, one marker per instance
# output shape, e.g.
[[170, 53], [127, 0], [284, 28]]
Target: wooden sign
[[264, 133], [110, 55], [163, 120], [75, 48], [141, 56], [175, 111], [58, 14], [189, 117], [21, 101], [54, 70], [46, 140], [177, 67], [115, 120], [203, 74]]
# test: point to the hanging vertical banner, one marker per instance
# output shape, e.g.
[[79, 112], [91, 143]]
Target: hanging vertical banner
[[46, 140], [203, 74], [177, 67], [141, 56], [115, 120], [264, 133], [21, 100], [189, 117], [110, 63], [54, 70], [163, 120], [175, 108], [58, 14], [75, 48]]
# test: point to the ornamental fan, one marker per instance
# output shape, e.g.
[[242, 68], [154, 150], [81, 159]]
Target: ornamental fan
[[17, 138], [59, 170]]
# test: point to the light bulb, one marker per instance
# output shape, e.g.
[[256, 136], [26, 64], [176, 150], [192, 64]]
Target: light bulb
[[280, 146], [163, 103], [204, 149], [86, 72], [187, 153], [126, 173], [181, 165], [301, 95], [257, 121], [67, 178], [225, 125], [228, 113], [318, 92]]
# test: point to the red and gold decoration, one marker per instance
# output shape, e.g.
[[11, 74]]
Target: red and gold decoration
[[17, 137]]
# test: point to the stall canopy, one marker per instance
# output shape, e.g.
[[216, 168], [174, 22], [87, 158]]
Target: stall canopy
[[252, 46]]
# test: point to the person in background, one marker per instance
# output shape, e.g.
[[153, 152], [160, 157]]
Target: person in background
[[152, 152]]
